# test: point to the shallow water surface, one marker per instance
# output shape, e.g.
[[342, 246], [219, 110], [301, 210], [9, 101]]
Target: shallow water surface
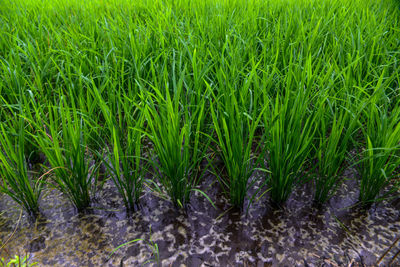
[[296, 234]]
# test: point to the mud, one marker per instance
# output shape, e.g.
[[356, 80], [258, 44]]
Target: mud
[[296, 234]]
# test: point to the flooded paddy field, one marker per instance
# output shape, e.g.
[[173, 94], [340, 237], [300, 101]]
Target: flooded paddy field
[[296, 234], [195, 116]]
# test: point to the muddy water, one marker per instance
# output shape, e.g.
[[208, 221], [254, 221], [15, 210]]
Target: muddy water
[[295, 234]]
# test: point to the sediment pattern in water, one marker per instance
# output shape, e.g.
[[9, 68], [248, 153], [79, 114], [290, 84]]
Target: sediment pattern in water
[[296, 234]]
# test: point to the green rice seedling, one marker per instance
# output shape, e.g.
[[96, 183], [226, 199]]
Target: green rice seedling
[[17, 180], [176, 136], [125, 160], [17, 261], [380, 156], [153, 246], [236, 117], [62, 138], [336, 126], [291, 128]]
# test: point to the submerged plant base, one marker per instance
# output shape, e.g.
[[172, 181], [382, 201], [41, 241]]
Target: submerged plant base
[[295, 234]]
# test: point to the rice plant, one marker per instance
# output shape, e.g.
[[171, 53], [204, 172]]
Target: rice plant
[[380, 158], [175, 132], [22, 185], [125, 163], [335, 130], [236, 117], [291, 128], [61, 136]]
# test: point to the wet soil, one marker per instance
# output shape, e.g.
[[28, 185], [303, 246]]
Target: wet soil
[[296, 234]]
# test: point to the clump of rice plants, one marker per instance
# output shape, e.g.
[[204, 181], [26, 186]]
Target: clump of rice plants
[[335, 129], [380, 157], [61, 136], [175, 131], [17, 181], [125, 163], [236, 116], [291, 128]]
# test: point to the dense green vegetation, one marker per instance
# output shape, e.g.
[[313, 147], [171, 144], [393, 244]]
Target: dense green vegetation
[[299, 90]]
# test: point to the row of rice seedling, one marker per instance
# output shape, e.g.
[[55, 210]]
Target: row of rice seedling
[[291, 89], [74, 169]]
